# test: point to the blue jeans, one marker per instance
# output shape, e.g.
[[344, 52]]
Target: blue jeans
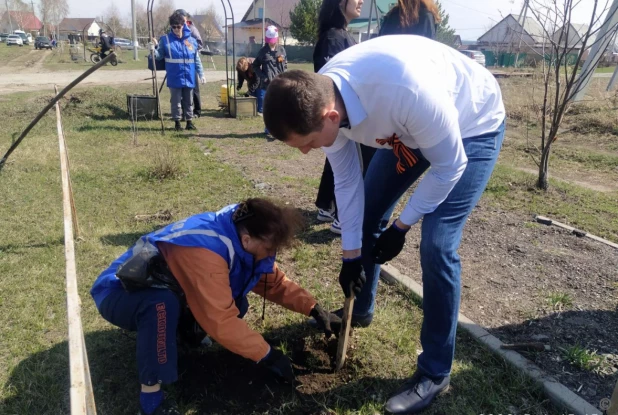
[[259, 94], [441, 233]]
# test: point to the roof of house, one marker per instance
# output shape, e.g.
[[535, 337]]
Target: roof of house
[[252, 23], [198, 19], [69, 24], [276, 9], [383, 7], [28, 20], [530, 26]]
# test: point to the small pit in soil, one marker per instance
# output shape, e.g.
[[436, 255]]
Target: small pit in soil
[[224, 382]]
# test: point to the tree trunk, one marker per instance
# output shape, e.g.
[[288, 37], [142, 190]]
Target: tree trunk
[[543, 180]]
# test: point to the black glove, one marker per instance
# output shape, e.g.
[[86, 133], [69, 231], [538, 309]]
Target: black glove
[[352, 276], [328, 322], [389, 244], [279, 364]]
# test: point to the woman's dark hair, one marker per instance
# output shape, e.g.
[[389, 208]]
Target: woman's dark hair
[[177, 19], [409, 11], [331, 16], [266, 220]]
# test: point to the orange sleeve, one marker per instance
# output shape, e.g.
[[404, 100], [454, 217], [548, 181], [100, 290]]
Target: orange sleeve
[[204, 277], [276, 287]]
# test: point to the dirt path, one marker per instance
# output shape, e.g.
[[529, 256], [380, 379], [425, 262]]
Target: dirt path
[[34, 77]]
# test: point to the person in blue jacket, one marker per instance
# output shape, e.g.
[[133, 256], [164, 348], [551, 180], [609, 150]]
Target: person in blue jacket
[[182, 61], [191, 278]]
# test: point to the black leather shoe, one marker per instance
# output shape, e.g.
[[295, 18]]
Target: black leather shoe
[[357, 321], [177, 126], [190, 126], [416, 394]]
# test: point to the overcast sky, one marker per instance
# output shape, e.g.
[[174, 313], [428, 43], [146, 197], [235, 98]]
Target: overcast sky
[[470, 18]]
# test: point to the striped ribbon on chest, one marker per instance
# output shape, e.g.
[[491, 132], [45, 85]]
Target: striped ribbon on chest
[[405, 156]]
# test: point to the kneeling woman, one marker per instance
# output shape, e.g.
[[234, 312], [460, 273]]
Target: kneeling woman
[[207, 264]]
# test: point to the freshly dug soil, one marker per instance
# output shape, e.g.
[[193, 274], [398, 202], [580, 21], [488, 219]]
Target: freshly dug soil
[[228, 384]]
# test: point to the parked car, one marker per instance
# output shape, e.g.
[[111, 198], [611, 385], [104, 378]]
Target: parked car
[[42, 42], [25, 37], [3, 37], [124, 43], [475, 55], [14, 40]]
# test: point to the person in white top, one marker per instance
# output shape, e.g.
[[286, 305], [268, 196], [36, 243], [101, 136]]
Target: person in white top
[[427, 108]]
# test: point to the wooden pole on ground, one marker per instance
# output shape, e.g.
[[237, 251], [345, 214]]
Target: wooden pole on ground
[[344, 334], [66, 152], [81, 394]]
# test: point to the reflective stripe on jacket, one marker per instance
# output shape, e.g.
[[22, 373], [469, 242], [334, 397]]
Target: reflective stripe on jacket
[[180, 58], [213, 231]]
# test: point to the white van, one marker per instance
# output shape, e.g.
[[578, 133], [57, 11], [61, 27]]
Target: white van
[[26, 37]]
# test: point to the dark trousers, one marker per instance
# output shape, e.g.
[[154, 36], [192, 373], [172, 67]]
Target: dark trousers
[[326, 191], [153, 313], [197, 100], [156, 315]]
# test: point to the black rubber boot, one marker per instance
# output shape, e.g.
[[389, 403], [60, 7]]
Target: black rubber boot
[[191, 126], [177, 126]]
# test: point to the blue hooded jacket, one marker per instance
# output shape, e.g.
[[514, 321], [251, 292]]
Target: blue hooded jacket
[[182, 59], [214, 231]]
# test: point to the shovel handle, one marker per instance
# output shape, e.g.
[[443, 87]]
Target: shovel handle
[[344, 334]]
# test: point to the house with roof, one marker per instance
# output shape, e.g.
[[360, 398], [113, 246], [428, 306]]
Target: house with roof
[[511, 32], [572, 35], [75, 27], [210, 30], [20, 20], [359, 26], [275, 12]]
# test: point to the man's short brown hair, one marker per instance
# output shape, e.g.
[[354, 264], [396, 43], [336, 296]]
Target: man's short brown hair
[[295, 102]]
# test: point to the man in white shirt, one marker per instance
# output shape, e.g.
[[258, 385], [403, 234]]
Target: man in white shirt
[[426, 107]]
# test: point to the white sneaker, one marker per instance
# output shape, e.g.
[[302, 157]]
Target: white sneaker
[[335, 227], [326, 215]]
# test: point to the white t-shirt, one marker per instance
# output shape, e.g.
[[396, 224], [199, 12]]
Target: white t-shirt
[[417, 91]]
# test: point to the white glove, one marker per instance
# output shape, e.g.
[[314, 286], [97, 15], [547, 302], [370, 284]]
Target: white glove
[[202, 79], [151, 46]]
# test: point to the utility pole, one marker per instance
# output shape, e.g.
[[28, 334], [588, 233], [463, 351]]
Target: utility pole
[[521, 33], [134, 23], [8, 12], [599, 46], [263, 22]]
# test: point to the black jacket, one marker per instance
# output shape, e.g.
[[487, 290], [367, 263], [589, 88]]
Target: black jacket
[[329, 44], [253, 81], [270, 63], [426, 25]]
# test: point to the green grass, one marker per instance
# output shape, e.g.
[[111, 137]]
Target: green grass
[[607, 69], [582, 358], [559, 300], [8, 53], [592, 211], [114, 180], [61, 61]]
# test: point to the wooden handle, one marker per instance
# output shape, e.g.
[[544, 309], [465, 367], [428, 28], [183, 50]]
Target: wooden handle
[[344, 334]]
